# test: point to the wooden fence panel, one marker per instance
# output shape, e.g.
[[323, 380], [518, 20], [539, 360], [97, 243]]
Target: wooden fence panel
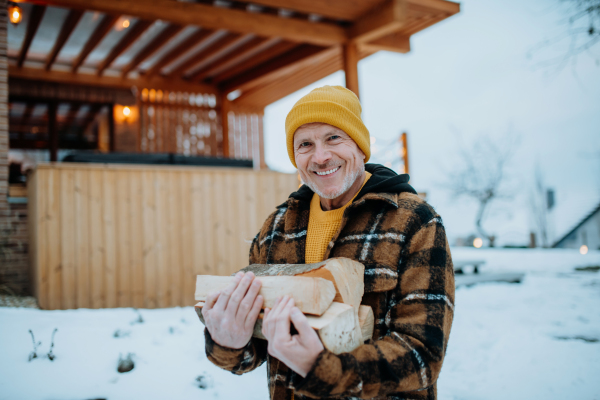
[[136, 236]]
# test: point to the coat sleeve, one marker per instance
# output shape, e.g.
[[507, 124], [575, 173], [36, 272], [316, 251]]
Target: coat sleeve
[[418, 319], [248, 358]]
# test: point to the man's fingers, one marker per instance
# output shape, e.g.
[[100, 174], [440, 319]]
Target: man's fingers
[[301, 322], [238, 294], [227, 292], [282, 322], [211, 299], [248, 300], [253, 314], [270, 318]]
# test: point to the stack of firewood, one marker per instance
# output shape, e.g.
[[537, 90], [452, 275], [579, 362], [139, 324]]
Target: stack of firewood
[[328, 293]]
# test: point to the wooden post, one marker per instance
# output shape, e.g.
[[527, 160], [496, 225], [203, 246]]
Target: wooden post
[[111, 127], [223, 104], [351, 67], [404, 154], [52, 132], [261, 141]]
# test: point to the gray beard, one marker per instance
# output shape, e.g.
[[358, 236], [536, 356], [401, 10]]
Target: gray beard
[[349, 180]]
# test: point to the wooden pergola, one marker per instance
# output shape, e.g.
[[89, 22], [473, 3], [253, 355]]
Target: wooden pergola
[[238, 56]]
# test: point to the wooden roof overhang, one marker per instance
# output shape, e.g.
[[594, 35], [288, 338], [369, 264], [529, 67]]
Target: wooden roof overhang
[[259, 51]]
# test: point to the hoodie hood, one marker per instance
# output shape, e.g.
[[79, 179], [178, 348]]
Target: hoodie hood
[[383, 180]]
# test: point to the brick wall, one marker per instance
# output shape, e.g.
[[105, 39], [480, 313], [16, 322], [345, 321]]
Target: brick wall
[[13, 217]]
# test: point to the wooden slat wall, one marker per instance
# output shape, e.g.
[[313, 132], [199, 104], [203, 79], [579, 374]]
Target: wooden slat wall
[[136, 236]]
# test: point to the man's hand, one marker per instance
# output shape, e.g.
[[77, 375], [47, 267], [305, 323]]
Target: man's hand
[[230, 315], [299, 352]]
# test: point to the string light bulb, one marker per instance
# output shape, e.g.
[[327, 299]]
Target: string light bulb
[[126, 111], [15, 14], [583, 249], [477, 243]]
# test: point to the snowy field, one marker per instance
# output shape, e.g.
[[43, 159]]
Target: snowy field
[[536, 339]]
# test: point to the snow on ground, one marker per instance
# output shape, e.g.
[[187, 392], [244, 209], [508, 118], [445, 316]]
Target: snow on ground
[[536, 339]]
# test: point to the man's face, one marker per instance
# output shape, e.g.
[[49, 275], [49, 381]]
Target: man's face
[[328, 160]]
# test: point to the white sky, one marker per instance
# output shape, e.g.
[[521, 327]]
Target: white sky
[[470, 75]]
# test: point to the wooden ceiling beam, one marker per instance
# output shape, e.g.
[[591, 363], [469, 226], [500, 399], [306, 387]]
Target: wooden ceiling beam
[[381, 21], [37, 13], [305, 54], [161, 38], [277, 49], [102, 29], [223, 45], [277, 89], [208, 16], [442, 6], [347, 10], [65, 32], [247, 55], [156, 82], [192, 41], [249, 48], [133, 33], [396, 42]]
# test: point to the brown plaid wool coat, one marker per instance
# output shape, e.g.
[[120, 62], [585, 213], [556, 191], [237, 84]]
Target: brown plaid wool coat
[[409, 283]]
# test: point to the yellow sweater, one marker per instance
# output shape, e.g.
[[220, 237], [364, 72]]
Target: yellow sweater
[[322, 225]]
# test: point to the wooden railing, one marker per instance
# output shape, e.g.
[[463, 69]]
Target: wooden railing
[[136, 236]]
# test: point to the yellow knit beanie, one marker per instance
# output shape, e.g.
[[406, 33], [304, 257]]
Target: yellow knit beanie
[[333, 105]]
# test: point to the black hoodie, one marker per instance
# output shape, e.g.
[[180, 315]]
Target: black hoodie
[[383, 180]]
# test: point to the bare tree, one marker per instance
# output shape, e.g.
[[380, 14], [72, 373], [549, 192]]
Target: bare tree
[[482, 175], [578, 33], [538, 204]]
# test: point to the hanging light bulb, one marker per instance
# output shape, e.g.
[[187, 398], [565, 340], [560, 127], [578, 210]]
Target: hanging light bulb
[[15, 14], [126, 111]]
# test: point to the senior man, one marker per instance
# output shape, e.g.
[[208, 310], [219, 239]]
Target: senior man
[[344, 209]]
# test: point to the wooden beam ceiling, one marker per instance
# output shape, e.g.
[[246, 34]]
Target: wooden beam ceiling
[[223, 44], [101, 30], [159, 40], [156, 82], [252, 47], [347, 10], [269, 70], [383, 20], [192, 41], [207, 16], [263, 95], [37, 12], [266, 55], [133, 33], [396, 42], [65, 32]]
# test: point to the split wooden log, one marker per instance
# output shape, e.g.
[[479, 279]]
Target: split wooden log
[[312, 295], [336, 327], [346, 275], [366, 322]]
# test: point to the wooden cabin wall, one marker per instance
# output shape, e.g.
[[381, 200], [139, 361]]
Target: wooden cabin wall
[[119, 236]]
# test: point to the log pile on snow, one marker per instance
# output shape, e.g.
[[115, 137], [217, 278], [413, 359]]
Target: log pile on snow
[[328, 293]]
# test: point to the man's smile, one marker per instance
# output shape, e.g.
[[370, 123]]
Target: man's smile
[[328, 172]]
